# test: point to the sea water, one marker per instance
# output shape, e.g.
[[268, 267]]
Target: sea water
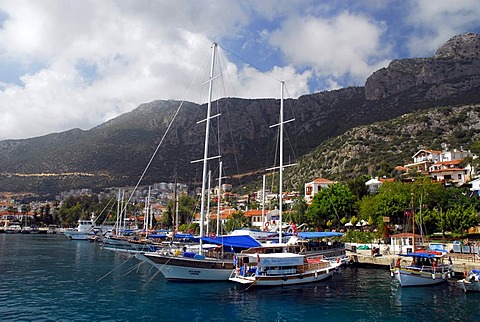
[[51, 278]]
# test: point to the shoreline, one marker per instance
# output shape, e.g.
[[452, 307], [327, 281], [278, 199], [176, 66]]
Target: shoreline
[[363, 258]]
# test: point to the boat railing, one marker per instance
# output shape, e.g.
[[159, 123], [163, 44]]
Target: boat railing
[[315, 265]]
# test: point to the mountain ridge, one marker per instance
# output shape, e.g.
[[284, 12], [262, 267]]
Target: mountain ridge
[[116, 152]]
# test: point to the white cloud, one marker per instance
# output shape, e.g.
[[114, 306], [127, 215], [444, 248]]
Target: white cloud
[[78, 63], [437, 21], [346, 44], [136, 51]]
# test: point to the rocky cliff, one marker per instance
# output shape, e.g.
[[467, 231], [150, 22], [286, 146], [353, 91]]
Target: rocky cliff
[[453, 70], [116, 152]]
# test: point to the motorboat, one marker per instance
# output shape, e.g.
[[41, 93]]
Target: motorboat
[[83, 231], [471, 282], [280, 269], [421, 268]]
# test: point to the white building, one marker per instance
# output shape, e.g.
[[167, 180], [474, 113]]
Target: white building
[[373, 185], [311, 188]]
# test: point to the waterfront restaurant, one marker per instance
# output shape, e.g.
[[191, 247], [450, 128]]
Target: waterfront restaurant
[[403, 243]]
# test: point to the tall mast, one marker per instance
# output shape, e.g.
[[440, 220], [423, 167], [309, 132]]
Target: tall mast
[[177, 204], [263, 202], [175, 208], [219, 196], [147, 210], [280, 186], [208, 200], [281, 166], [413, 219], [118, 221], [207, 132]]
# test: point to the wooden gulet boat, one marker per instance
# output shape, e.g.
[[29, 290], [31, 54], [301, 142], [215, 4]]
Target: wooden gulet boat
[[280, 269], [426, 267]]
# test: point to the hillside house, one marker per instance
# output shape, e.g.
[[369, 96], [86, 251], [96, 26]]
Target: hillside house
[[423, 159], [443, 165], [311, 188], [475, 186], [450, 171], [373, 185], [256, 217]]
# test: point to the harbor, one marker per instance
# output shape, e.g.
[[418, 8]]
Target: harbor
[[49, 277], [364, 258]]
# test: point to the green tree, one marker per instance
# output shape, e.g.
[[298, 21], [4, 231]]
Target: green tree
[[186, 211], [299, 210], [459, 219], [357, 186], [238, 220], [331, 204]]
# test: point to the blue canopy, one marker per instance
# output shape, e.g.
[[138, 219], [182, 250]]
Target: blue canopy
[[241, 241], [421, 255], [185, 236], [157, 236], [319, 234]]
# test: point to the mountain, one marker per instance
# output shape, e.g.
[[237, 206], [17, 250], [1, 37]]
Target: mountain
[[116, 153]]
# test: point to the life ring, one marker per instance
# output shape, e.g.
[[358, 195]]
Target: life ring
[[212, 236], [267, 225], [190, 231]]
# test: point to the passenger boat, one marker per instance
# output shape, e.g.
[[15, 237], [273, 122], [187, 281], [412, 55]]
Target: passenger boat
[[280, 269], [83, 231], [12, 228], [471, 282], [213, 263], [425, 268]]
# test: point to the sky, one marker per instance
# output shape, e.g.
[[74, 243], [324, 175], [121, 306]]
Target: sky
[[68, 64]]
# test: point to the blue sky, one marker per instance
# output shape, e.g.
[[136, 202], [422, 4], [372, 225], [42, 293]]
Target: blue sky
[[76, 63]]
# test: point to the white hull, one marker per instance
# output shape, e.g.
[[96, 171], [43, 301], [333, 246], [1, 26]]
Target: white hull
[[407, 277], [193, 273], [78, 235], [189, 269], [311, 277], [467, 286]]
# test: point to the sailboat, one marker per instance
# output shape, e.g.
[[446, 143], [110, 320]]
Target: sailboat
[[264, 268], [422, 266], [209, 263]]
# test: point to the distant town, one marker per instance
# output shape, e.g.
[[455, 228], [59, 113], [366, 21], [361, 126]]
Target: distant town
[[453, 168]]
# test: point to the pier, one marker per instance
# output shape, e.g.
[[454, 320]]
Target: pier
[[364, 258]]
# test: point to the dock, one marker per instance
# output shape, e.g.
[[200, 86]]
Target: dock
[[364, 258]]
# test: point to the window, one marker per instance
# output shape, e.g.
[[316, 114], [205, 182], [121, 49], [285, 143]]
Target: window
[[309, 190]]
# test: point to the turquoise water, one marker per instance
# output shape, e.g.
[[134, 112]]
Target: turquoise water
[[50, 278]]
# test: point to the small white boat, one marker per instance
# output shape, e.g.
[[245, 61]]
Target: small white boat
[[280, 269], [12, 229], [84, 230], [471, 283], [425, 268]]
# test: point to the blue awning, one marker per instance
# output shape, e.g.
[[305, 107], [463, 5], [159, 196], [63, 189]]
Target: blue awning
[[421, 255], [319, 234], [157, 236], [184, 236], [241, 241]]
